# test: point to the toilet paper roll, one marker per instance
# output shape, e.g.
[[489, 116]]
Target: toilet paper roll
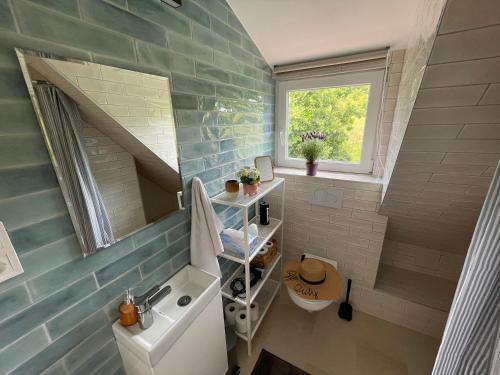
[[254, 311], [230, 312], [263, 251], [241, 321], [269, 244]]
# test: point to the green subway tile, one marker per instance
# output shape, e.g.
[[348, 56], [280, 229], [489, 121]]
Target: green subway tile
[[190, 85], [56, 368], [193, 11], [195, 118], [178, 231], [242, 81], [69, 7], [250, 46], [18, 118], [13, 300], [100, 13], [164, 59], [56, 278], [240, 54], [231, 92], [68, 319], [230, 168], [40, 260], [20, 181], [114, 270], [120, 3], [262, 65], [180, 260], [160, 227], [228, 144], [23, 349], [40, 234], [207, 103], [225, 31], [161, 14], [208, 175], [206, 37], [29, 209], [34, 150], [214, 7], [219, 159], [194, 151], [6, 19], [211, 133], [100, 357], [191, 167], [12, 84], [188, 135], [228, 63], [37, 314], [158, 276], [235, 23], [10, 40], [184, 101], [43, 24], [164, 255], [58, 348], [212, 73], [252, 72], [187, 47], [87, 348]]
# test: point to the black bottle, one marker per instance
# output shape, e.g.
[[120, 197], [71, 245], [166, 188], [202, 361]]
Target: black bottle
[[264, 213]]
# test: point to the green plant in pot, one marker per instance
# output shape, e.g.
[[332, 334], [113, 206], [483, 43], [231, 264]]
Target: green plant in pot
[[250, 178], [312, 149]]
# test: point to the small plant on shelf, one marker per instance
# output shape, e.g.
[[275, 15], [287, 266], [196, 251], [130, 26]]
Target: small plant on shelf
[[250, 178], [311, 149]]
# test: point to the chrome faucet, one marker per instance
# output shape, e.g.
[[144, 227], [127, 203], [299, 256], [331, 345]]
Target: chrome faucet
[[144, 303]]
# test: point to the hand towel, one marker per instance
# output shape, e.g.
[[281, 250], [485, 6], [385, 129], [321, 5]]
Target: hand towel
[[205, 229]]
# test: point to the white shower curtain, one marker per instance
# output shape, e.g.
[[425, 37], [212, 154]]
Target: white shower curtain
[[470, 341], [62, 124]]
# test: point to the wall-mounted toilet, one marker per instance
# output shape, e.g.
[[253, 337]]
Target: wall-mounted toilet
[[313, 282]]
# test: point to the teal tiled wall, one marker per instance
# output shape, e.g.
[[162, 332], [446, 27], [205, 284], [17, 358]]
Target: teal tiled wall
[[56, 317]]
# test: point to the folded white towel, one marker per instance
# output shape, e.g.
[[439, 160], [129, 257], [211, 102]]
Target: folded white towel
[[205, 228]]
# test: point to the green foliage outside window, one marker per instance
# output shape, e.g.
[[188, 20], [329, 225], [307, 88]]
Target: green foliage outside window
[[337, 112]]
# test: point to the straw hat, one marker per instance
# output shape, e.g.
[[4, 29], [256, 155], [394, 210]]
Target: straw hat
[[313, 279]]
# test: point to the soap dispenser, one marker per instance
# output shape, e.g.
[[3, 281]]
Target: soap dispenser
[[127, 310]]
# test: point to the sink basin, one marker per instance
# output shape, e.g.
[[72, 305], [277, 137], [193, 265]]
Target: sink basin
[[170, 319]]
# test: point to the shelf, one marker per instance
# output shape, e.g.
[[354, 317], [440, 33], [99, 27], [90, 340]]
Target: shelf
[[254, 291], [266, 232], [245, 201], [264, 299]]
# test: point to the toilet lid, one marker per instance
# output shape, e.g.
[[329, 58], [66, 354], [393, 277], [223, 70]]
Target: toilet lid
[[313, 279]]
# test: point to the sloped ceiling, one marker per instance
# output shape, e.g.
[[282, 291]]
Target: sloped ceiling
[[288, 31], [452, 142]]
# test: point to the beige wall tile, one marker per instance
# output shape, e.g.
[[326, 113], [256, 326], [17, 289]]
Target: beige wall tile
[[459, 15], [467, 45], [471, 159], [450, 96], [433, 131], [480, 131], [492, 95], [456, 115]]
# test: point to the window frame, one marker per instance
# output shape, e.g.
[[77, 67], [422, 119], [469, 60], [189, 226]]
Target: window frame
[[374, 78]]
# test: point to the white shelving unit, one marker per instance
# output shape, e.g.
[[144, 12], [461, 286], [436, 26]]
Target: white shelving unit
[[266, 288]]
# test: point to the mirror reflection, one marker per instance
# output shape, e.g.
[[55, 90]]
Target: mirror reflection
[[111, 135]]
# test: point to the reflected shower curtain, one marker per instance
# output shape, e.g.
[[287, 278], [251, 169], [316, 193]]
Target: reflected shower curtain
[[62, 124], [470, 340]]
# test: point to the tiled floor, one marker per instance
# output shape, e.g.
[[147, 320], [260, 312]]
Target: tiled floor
[[323, 344], [417, 287]]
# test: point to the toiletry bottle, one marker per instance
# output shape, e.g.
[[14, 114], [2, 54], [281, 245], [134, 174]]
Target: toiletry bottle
[[127, 310]]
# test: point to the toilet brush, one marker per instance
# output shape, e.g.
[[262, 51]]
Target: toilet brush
[[345, 310]]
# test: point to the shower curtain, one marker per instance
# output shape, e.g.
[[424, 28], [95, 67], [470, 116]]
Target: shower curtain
[[470, 341], [62, 124]]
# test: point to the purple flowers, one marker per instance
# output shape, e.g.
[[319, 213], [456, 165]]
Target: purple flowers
[[312, 136]]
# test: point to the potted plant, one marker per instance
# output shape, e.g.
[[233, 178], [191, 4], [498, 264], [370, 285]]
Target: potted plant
[[311, 149], [250, 178]]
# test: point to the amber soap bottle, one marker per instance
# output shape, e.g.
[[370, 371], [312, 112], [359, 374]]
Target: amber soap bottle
[[127, 310]]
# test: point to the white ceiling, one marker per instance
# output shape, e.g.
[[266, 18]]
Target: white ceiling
[[288, 31]]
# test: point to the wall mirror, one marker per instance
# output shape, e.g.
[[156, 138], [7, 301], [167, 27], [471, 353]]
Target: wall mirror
[[110, 133]]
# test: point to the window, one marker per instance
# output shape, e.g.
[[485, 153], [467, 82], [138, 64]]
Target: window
[[343, 107]]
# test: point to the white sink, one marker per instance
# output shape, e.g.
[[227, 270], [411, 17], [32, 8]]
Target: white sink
[[170, 319]]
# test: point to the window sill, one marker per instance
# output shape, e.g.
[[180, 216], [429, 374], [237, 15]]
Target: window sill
[[327, 175]]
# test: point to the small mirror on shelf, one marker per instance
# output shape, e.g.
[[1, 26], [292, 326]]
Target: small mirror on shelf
[[265, 166]]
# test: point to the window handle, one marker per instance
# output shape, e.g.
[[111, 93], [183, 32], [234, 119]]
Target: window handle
[[282, 138]]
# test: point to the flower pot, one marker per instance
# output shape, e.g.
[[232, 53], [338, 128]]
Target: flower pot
[[311, 168], [250, 189]]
